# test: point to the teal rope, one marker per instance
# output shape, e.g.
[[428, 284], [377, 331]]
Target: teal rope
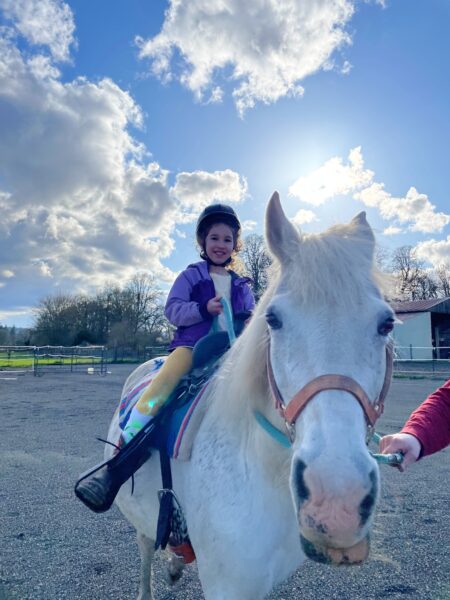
[[283, 440], [386, 459], [229, 320], [274, 433]]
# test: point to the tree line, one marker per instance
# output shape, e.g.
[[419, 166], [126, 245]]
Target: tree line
[[132, 315]]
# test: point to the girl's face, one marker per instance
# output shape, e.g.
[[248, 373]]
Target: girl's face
[[219, 243]]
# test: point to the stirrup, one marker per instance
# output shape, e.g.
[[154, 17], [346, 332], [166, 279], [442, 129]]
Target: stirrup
[[100, 465]]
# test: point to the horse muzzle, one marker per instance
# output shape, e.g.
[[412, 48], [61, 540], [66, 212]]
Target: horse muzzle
[[337, 557]]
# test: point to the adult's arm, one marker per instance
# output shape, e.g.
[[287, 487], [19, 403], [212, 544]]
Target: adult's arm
[[430, 422]]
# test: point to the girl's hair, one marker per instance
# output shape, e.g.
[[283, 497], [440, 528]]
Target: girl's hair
[[205, 228]]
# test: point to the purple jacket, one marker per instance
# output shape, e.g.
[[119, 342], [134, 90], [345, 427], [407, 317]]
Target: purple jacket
[[190, 293]]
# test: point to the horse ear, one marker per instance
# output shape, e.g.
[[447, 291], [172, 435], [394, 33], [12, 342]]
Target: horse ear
[[362, 232], [282, 237]]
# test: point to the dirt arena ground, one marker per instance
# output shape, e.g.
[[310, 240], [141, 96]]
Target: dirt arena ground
[[52, 547]]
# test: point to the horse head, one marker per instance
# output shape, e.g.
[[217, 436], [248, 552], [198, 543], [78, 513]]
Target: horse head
[[326, 317]]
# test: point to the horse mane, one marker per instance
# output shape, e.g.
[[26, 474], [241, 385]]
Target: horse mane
[[333, 268]]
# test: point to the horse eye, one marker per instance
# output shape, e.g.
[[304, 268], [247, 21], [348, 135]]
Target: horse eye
[[386, 326], [273, 321]]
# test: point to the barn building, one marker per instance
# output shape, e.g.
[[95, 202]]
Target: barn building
[[425, 329]]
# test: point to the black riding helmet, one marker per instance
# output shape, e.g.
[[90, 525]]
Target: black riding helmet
[[215, 212]]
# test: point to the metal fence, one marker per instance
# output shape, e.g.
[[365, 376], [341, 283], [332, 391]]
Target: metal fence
[[87, 359], [422, 361], [18, 360]]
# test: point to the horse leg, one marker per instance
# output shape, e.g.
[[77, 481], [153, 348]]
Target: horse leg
[[146, 550]]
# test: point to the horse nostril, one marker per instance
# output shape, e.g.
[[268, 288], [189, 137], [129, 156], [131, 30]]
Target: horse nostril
[[368, 502], [299, 481]]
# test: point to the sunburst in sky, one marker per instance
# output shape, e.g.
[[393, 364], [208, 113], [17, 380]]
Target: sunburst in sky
[[121, 121]]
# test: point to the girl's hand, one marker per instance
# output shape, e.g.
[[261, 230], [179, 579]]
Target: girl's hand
[[214, 306], [401, 442]]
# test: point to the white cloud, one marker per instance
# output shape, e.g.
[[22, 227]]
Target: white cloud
[[248, 225], [332, 179], [346, 68], [414, 208], [392, 230], [303, 217], [436, 252], [22, 311], [43, 22], [81, 205], [266, 47], [196, 190], [335, 178]]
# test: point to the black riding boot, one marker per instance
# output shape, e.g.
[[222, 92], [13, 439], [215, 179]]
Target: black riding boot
[[98, 487]]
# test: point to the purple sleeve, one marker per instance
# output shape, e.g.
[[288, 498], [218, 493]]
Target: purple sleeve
[[180, 310], [249, 300]]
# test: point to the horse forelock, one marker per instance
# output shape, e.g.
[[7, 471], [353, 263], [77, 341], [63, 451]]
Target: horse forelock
[[332, 268]]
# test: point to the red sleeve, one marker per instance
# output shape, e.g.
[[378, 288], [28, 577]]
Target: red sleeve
[[430, 422]]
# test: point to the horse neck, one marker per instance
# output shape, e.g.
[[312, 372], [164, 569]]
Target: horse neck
[[241, 389]]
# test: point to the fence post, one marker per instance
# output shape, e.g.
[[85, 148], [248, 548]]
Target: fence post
[[411, 351]]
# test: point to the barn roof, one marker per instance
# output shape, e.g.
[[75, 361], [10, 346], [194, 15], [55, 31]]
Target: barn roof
[[406, 316], [415, 306]]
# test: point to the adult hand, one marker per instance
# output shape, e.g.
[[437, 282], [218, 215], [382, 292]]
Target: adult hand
[[401, 442], [214, 306]]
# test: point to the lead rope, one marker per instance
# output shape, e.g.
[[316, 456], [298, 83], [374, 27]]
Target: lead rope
[[229, 320], [280, 437]]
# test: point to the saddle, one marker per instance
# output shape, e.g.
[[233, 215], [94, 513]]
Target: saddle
[[171, 528]]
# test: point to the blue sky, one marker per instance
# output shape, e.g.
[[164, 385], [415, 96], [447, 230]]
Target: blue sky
[[121, 120]]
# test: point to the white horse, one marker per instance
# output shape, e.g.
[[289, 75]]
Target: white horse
[[254, 508]]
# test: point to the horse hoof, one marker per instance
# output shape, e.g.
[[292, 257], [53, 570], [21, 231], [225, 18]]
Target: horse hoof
[[175, 568]]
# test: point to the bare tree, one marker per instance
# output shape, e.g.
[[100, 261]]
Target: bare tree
[[409, 272], [426, 286], [256, 261], [55, 320], [382, 258], [133, 313], [143, 303], [443, 279]]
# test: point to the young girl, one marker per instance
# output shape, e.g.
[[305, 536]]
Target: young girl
[[192, 305]]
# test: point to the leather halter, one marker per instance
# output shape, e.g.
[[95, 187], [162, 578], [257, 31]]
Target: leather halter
[[294, 407]]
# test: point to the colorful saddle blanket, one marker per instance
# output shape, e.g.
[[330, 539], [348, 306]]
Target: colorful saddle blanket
[[178, 432]]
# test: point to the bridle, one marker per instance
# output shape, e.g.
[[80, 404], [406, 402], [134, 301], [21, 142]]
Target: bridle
[[290, 411]]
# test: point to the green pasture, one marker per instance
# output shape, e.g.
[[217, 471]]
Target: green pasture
[[24, 361]]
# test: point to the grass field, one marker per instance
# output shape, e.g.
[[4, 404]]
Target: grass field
[[26, 359]]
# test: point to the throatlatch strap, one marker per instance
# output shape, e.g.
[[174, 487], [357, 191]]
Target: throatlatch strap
[[165, 502]]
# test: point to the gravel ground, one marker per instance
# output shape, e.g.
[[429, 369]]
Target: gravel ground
[[52, 547]]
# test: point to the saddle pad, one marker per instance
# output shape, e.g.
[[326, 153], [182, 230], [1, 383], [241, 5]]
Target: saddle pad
[[178, 434], [132, 396]]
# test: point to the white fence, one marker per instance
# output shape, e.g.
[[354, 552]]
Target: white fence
[[422, 361]]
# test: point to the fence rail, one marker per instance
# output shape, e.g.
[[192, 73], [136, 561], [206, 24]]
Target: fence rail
[[19, 360], [422, 361], [38, 359]]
